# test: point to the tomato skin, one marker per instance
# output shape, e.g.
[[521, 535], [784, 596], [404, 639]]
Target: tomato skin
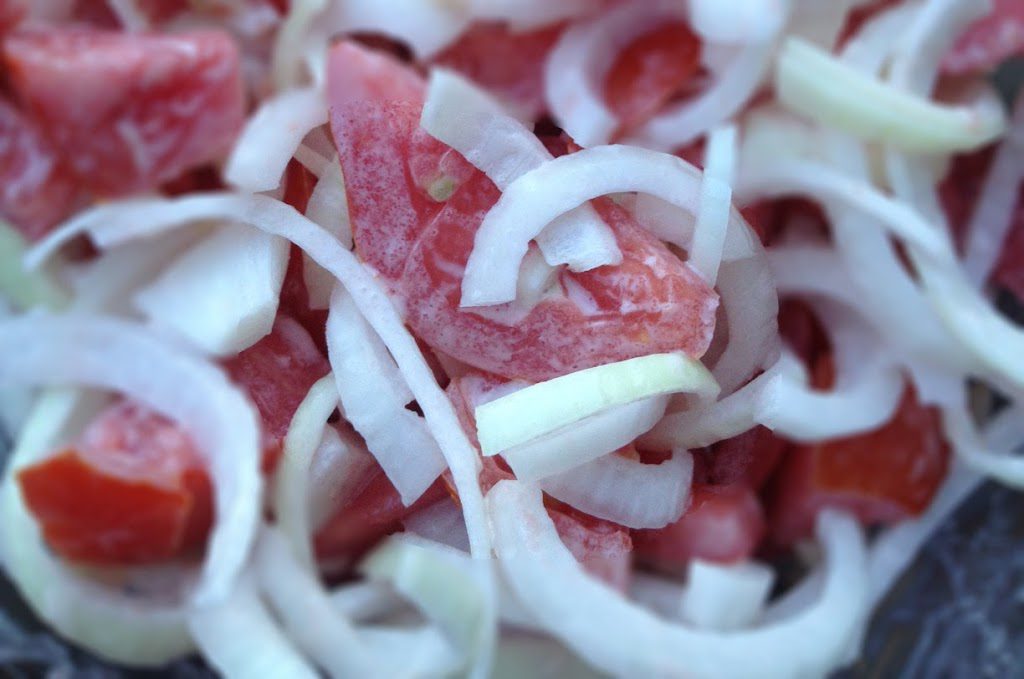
[[650, 70], [36, 188], [882, 476], [988, 41], [724, 524], [147, 107], [132, 489]]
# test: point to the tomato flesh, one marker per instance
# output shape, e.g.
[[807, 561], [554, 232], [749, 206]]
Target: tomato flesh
[[988, 41], [146, 108], [418, 236]]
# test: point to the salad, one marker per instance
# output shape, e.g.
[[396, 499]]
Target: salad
[[489, 338]]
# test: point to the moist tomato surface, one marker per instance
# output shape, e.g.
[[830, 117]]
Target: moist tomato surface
[[419, 233], [133, 488]]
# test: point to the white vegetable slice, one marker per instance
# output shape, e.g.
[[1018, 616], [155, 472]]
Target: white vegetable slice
[[745, 21], [425, 26], [448, 587], [970, 446], [286, 59], [292, 480], [124, 357], [625, 491], [585, 440], [340, 467], [537, 657], [366, 600], [240, 638], [715, 203], [373, 398], [113, 624], [24, 287], [812, 82], [419, 651], [440, 522], [328, 207], [115, 223], [725, 597], [306, 612], [222, 294], [547, 406], [536, 198], [466, 118], [272, 136], [620, 638]]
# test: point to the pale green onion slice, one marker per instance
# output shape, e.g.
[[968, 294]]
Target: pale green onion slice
[[546, 407], [814, 83], [26, 288]]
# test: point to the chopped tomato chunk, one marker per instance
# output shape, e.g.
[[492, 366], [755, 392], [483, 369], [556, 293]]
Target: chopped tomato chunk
[[419, 237], [748, 459], [990, 40], [146, 107], [131, 490], [11, 14], [882, 476], [36, 188], [603, 548], [724, 524], [510, 64], [650, 71], [278, 372]]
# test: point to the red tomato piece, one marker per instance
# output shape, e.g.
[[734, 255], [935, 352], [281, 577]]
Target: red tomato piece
[[375, 512], [989, 41], [882, 476], [131, 490], [748, 459], [36, 188], [723, 524], [11, 14], [278, 372], [146, 107], [652, 302], [604, 549], [508, 64], [650, 71]]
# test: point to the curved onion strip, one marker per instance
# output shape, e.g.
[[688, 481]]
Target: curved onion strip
[[971, 448], [536, 198], [528, 655], [625, 491], [576, 68], [364, 600], [725, 597], [426, 26], [417, 651], [715, 203], [124, 357], [328, 207], [454, 591], [340, 466], [993, 213], [466, 118], [240, 638], [545, 407], [585, 440], [272, 136], [114, 223], [373, 398], [286, 59], [811, 270], [620, 638], [23, 287], [734, 86], [440, 522], [744, 22], [812, 82], [292, 480], [112, 624], [305, 609]]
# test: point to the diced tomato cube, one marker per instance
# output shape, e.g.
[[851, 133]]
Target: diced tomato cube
[[143, 107], [278, 372], [603, 548], [723, 524], [36, 188], [131, 490], [881, 476], [989, 41], [748, 459]]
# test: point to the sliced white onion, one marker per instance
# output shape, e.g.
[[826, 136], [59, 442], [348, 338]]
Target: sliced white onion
[[440, 522], [743, 22], [306, 612], [469, 120], [340, 467], [292, 480], [240, 638], [425, 26], [272, 136], [113, 624], [623, 639], [660, 595], [537, 657], [715, 203], [625, 491], [536, 198], [115, 223], [286, 59], [576, 68], [448, 587], [813, 83], [813, 270], [585, 440], [328, 207], [726, 597], [819, 22], [128, 13], [419, 651], [971, 448], [373, 398], [124, 357], [222, 294], [24, 287], [545, 407], [366, 600], [733, 87]]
